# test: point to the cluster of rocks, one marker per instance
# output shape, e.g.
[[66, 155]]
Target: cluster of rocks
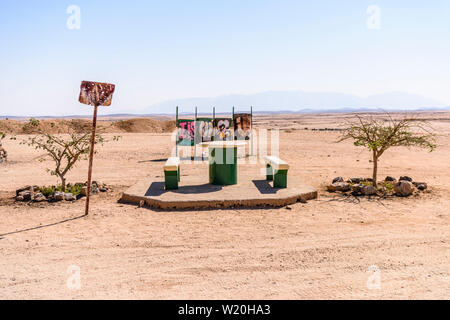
[[405, 185], [355, 185], [30, 193], [35, 193], [364, 186], [96, 187]]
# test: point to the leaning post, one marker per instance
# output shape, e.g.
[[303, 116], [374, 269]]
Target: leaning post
[[91, 158], [95, 94]]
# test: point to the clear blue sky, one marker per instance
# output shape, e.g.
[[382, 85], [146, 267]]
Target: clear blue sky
[[159, 50]]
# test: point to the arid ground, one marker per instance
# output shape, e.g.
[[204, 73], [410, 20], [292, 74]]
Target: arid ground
[[316, 250]]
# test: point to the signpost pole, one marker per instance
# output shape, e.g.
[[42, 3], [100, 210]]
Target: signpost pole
[[91, 159], [94, 94]]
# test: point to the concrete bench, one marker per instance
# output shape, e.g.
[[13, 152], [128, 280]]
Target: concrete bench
[[276, 170], [172, 173]]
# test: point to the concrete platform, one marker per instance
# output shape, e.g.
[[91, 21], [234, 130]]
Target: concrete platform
[[195, 193]]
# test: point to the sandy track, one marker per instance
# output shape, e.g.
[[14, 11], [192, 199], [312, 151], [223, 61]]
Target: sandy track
[[321, 249]]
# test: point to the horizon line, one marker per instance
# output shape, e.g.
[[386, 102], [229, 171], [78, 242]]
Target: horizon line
[[263, 112]]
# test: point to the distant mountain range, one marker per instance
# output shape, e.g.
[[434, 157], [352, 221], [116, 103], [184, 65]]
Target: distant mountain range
[[282, 102], [300, 101]]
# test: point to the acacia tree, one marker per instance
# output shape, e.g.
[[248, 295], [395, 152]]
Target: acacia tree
[[65, 150], [378, 135]]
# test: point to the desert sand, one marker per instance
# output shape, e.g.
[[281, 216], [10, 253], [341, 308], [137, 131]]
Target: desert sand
[[321, 249]]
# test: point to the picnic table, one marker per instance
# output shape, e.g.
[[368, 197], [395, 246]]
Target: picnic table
[[223, 161]]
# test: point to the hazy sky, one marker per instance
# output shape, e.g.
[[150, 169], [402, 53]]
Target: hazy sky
[[160, 50]]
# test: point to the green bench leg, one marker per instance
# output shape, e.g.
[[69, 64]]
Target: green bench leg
[[269, 173], [171, 179], [280, 179]]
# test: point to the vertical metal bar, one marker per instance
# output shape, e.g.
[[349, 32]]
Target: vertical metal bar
[[195, 131], [251, 129], [232, 123], [214, 120], [176, 139], [91, 160]]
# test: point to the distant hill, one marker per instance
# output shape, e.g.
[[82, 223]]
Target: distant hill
[[13, 126], [277, 102], [300, 101]]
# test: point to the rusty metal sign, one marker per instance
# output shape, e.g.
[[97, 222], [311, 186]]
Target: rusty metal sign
[[96, 93]]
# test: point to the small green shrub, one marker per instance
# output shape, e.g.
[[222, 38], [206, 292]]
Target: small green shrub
[[48, 190], [73, 189], [388, 186]]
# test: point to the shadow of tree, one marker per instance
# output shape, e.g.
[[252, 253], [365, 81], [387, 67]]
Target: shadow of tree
[[348, 198], [356, 199]]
